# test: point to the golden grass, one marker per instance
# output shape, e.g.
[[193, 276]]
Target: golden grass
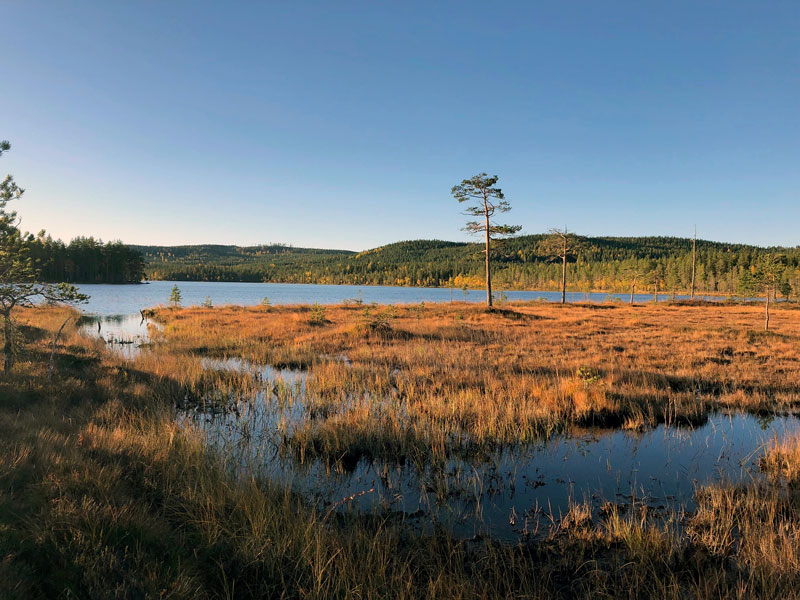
[[102, 495], [782, 459], [438, 379]]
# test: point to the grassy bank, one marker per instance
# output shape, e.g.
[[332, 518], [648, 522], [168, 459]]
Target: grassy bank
[[103, 496], [424, 382]]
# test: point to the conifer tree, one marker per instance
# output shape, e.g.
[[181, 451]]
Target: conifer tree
[[20, 278], [487, 200]]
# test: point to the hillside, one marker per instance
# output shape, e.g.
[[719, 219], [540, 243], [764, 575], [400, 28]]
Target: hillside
[[602, 263]]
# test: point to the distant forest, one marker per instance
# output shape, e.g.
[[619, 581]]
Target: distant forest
[[86, 260], [606, 264]]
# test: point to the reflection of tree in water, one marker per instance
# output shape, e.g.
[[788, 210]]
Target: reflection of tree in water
[[765, 420]]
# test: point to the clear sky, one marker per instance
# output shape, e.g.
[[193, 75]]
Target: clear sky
[[340, 124]]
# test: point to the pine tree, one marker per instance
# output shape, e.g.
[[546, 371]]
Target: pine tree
[[487, 201], [20, 279], [175, 298]]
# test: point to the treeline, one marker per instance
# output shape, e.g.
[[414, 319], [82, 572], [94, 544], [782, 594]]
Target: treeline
[[599, 264], [86, 260]]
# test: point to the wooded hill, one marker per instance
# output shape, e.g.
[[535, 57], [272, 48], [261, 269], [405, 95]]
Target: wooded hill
[[601, 264]]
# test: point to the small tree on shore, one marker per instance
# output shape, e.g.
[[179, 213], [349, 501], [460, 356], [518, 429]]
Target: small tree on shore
[[632, 273], [764, 277], [175, 298], [487, 200], [20, 284], [561, 245], [785, 289]]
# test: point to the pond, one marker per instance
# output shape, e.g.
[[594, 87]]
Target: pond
[[117, 307], [512, 493]]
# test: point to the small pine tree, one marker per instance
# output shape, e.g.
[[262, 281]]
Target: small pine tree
[[318, 313], [175, 298], [763, 278]]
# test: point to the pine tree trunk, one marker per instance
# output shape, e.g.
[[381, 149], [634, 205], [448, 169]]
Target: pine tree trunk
[[633, 289], [8, 350], [694, 259], [488, 265], [564, 277], [766, 315]]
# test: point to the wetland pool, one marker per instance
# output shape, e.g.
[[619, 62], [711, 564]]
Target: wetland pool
[[513, 492]]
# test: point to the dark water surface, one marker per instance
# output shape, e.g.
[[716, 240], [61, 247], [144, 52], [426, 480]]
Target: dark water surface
[[513, 492]]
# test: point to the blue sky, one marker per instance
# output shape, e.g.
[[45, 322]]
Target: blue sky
[[346, 124]]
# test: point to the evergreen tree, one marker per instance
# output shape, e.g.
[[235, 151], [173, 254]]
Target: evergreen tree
[[487, 200], [20, 279], [175, 298]]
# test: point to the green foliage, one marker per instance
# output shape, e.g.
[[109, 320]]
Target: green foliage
[[175, 298], [378, 321], [486, 200], [21, 281], [589, 376], [87, 260], [318, 314], [608, 264], [764, 276]]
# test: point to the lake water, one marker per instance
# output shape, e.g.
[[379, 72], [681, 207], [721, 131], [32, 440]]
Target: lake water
[[130, 299]]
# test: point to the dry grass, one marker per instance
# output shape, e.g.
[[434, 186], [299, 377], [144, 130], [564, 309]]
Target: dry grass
[[439, 379], [103, 496], [782, 459]]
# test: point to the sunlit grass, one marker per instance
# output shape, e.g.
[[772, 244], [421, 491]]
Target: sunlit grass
[[103, 494], [436, 380]]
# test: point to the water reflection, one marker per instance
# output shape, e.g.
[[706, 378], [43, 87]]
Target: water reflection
[[126, 334], [509, 493]]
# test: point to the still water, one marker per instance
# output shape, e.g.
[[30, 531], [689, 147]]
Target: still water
[[130, 299], [514, 492]]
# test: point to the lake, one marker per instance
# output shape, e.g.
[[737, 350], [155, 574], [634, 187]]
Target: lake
[[130, 299]]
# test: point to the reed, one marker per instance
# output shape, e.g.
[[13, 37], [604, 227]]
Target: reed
[[439, 380], [103, 494]]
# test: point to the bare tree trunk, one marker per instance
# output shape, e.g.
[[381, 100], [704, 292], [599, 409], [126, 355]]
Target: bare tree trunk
[[53, 351], [633, 289], [488, 265], [694, 259], [655, 292], [564, 276], [8, 348], [766, 315]]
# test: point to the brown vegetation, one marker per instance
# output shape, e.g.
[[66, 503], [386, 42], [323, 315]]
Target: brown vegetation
[[434, 379], [103, 495]]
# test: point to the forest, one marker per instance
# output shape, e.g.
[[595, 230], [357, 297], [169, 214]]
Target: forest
[[606, 264], [86, 260]]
